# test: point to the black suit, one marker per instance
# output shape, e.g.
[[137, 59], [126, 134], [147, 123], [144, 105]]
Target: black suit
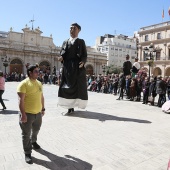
[[127, 66]]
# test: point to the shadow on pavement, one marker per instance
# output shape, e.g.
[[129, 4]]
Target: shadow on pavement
[[103, 117], [61, 163], [8, 112]]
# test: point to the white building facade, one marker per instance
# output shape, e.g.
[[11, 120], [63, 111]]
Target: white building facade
[[159, 36], [117, 47]]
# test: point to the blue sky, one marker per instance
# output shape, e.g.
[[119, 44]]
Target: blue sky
[[96, 17]]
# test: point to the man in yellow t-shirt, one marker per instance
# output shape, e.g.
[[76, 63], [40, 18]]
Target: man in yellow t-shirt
[[31, 105]]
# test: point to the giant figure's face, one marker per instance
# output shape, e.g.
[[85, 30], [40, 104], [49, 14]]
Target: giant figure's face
[[74, 31]]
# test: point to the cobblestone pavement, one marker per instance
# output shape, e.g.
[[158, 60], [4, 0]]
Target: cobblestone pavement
[[107, 135]]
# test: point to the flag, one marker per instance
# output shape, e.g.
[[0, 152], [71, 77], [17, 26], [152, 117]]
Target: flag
[[163, 13], [169, 11]]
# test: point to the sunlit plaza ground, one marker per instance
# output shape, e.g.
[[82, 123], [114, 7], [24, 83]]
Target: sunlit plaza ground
[[107, 135]]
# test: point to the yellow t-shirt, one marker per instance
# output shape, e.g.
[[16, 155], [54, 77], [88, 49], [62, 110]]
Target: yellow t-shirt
[[33, 94]]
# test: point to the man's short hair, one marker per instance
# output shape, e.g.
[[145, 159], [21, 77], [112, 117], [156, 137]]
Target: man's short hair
[[31, 68], [77, 25]]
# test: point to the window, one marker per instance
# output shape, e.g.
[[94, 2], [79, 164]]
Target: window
[[146, 38], [159, 35], [158, 55], [103, 49]]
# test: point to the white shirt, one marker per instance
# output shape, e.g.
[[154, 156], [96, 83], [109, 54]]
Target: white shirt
[[137, 65], [72, 40]]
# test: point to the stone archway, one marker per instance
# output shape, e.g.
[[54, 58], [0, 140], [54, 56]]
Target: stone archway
[[157, 71], [167, 71], [89, 69], [45, 67], [16, 65]]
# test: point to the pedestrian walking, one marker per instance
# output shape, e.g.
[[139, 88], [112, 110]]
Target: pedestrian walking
[[2, 89]]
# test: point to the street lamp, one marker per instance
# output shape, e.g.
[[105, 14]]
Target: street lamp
[[149, 55], [104, 69], [5, 62]]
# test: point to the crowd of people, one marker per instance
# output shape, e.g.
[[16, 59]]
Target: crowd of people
[[43, 77], [132, 87], [134, 83]]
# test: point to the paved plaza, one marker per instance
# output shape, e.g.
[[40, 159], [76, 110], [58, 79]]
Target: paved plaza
[[107, 135]]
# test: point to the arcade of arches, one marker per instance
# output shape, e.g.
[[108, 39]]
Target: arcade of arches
[[167, 72], [157, 71], [16, 65]]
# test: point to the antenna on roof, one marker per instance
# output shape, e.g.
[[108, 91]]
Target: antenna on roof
[[115, 32], [32, 22]]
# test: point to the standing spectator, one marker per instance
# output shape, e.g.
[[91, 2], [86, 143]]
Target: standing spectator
[[99, 85], [121, 86], [146, 85], [135, 67], [54, 70], [127, 66], [115, 84], [128, 83], [139, 89], [168, 88], [2, 89], [133, 89], [161, 90], [152, 90], [31, 105], [45, 78], [50, 79]]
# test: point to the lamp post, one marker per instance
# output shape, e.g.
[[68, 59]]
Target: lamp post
[[104, 69], [5, 61], [149, 56]]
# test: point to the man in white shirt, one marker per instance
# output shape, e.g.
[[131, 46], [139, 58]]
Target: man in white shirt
[[135, 67]]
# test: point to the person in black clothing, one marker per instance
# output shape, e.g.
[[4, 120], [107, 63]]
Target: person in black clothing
[[161, 90], [146, 85], [127, 66], [122, 84], [73, 87], [152, 90], [127, 86], [139, 89]]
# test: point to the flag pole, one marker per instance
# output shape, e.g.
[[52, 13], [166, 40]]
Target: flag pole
[[162, 14]]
